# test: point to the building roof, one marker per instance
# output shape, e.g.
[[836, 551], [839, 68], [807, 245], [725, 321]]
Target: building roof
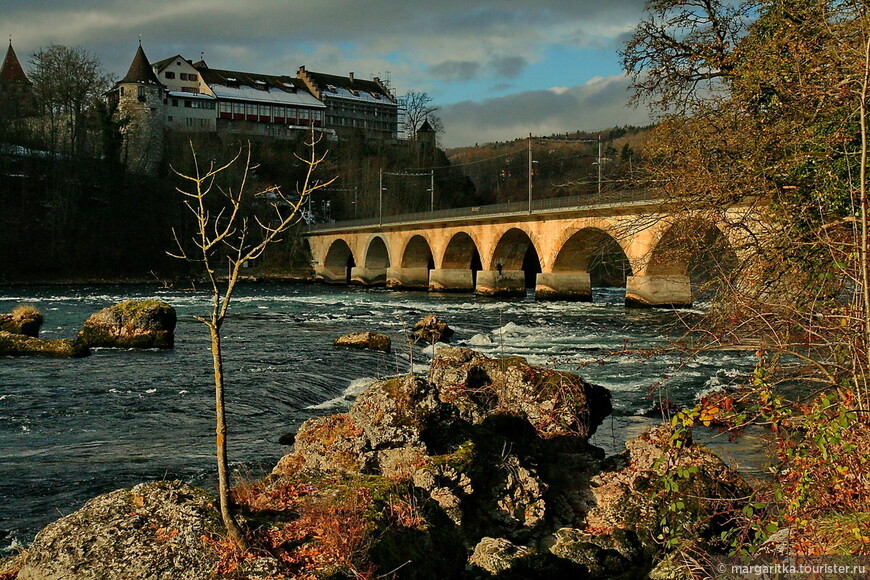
[[426, 127], [162, 64], [140, 70], [11, 71], [349, 87], [244, 86]]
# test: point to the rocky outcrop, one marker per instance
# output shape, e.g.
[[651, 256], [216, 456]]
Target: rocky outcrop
[[131, 324], [21, 345], [556, 403], [500, 448], [365, 340], [23, 319], [153, 530], [431, 330]]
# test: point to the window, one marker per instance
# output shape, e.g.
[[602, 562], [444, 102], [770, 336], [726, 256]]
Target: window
[[192, 90], [122, 91], [239, 108], [141, 93], [226, 107], [174, 102], [188, 104], [169, 118], [251, 109], [169, 74], [265, 111]]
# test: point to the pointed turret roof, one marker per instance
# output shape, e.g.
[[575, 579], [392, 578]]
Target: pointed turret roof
[[140, 70], [426, 127], [11, 71]]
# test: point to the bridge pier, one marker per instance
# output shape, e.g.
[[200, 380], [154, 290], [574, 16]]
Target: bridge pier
[[501, 284], [330, 275], [658, 291], [368, 276], [408, 278], [448, 280], [567, 286]]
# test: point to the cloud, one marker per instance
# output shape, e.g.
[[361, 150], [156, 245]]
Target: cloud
[[598, 104], [452, 70], [509, 66]]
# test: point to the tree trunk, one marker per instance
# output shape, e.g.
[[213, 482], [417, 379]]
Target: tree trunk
[[230, 523]]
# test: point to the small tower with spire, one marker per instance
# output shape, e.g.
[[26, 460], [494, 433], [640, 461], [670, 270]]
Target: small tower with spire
[[140, 100], [16, 90]]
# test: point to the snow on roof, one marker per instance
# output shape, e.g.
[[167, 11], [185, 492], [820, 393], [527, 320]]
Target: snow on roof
[[268, 95], [360, 95], [185, 95]]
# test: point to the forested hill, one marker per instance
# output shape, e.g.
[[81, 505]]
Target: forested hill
[[563, 164]]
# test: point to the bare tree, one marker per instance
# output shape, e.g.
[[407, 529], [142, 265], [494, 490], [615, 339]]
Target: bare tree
[[683, 46], [67, 82], [417, 108], [225, 238]]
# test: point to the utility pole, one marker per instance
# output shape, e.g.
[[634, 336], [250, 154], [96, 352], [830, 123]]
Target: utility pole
[[530, 173], [431, 190], [380, 196], [599, 164]]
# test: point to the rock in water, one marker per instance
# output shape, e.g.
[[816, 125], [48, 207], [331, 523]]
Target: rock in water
[[367, 340], [154, 530], [556, 403], [131, 324], [431, 330], [21, 345], [23, 319]]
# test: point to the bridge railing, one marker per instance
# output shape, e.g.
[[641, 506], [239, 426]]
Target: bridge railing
[[513, 208]]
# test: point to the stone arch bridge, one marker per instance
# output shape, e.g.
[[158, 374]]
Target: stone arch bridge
[[503, 250]]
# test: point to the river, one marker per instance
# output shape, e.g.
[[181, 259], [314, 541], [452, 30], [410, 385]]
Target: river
[[73, 429]]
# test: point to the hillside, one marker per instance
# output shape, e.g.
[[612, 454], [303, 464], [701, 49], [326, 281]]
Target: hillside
[[563, 165]]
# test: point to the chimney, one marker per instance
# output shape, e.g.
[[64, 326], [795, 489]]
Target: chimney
[[350, 76]]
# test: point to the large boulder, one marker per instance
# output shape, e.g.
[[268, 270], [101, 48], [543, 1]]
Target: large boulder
[[23, 319], [154, 530], [131, 324], [21, 345], [365, 340], [556, 403], [430, 330]]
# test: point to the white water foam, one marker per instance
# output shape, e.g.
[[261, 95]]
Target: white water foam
[[355, 387]]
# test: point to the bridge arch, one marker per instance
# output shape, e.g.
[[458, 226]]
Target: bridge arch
[[689, 259], [597, 252], [516, 252], [461, 253], [417, 254], [459, 265], [692, 247], [339, 262], [377, 255]]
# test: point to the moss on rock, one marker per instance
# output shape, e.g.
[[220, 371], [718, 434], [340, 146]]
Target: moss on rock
[[21, 345], [365, 340], [131, 324]]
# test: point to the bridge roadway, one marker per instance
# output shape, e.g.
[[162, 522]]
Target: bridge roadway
[[484, 249]]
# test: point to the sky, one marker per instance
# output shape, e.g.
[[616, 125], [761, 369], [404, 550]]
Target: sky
[[498, 69]]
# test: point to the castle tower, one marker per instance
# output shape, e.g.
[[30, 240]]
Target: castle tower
[[16, 90], [140, 100]]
